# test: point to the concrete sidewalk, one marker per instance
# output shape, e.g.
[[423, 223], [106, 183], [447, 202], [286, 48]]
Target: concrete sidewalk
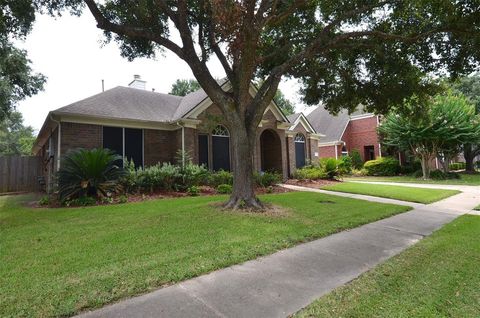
[[282, 283]]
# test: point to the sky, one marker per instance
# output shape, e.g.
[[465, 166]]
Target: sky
[[69, 52]]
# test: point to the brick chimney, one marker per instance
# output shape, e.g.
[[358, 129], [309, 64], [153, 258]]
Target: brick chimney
[[137, 83]]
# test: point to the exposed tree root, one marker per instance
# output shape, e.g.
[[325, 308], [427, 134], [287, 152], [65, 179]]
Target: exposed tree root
[[236, 203]]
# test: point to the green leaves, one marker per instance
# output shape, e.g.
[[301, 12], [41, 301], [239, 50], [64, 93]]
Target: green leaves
[[446, 123], [15, 138], [89, 173]]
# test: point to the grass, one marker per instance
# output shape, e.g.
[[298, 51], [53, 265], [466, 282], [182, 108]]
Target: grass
[[438, 277], [58, 262], [411, 194], [465, 179]]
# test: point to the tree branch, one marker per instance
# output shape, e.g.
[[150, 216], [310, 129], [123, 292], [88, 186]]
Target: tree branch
[[131, 31]]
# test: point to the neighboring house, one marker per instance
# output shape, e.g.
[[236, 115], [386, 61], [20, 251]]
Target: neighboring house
[[150, 128], [345, 132]]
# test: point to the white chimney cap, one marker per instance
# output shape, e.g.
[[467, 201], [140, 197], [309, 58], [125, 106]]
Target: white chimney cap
[[137, 82]]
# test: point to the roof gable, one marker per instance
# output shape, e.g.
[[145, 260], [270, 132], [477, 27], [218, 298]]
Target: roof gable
[[300, 119], [332, 126]]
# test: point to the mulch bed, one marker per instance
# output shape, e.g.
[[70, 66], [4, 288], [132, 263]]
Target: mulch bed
[[159, 194], [316, 184]]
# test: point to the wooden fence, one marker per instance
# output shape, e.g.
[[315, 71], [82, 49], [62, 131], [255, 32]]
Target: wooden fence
[[20, 173]]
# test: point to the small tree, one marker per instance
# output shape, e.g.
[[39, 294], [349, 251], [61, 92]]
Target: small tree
[[460, 125], [446, 122], [470, 88]]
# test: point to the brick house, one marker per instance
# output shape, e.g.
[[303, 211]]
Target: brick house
[[150, 128], [345, 132]]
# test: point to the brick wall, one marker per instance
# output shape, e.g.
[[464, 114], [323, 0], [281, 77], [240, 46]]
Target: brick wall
[[329, 151], [75, 135], [159, 146], [361, 133]]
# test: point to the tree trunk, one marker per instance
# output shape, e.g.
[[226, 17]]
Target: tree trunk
[[243, 148], [425, 167], [469, 156]]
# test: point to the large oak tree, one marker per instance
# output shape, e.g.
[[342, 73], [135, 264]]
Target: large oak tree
[[344, 52]]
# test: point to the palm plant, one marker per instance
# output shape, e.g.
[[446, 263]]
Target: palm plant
[[89, 173]]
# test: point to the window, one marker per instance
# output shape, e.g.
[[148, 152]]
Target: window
[[126, 142], [220, 131], [344, 151], [203, 150], [221, 148], [299, 150], [134, 146], [299, 138]]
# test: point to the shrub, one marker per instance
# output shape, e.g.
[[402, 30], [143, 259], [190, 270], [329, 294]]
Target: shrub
[[130, 180], [437, 175], [384, 166], [418, 174], [330, 167], [359, 173], [81, 201], [309, 173], [267, 179], [357, 161], [193, 191], [45, 200], [457, 166], [193, 175], [220, 177], [160, 176], [123, 199], [411, 167], [345, 165], [89, 173], [224, 189]]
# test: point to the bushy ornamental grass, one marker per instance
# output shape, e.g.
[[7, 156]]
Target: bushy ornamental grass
[[93, 172]]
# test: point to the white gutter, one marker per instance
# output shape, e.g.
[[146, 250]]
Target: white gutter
[[183, 143], [59, 135], [379, 144]]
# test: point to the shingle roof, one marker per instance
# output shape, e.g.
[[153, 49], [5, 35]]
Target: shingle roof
[[126, 103], [332, 126], [291, 118]]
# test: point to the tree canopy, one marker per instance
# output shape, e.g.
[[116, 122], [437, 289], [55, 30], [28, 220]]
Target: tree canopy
[[344, 52], [182, 87], [17, 79], [447, 122], [469, 86], [15, 138]]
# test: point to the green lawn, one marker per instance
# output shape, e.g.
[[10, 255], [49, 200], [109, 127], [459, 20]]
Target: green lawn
[[465, 179], [438, 277], [411, 194], [57, 262]]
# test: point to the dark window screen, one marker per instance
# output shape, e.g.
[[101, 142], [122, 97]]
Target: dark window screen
[[299, 154], [113, 139], [134, 146], [221, 153], [203, 150]]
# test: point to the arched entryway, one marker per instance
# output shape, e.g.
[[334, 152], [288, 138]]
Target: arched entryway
[[270, 151]]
